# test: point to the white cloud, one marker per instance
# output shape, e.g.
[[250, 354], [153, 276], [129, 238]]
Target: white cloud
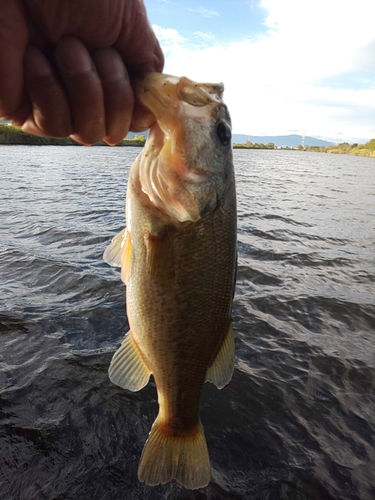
[[205, 12], [203, 35], [278, 82], [326, 35], [169, 38]]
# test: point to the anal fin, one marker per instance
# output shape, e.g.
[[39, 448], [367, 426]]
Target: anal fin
[[221, 370], [128, 369]]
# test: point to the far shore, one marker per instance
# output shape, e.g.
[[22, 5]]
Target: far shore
[[14, 136], [367, 149]]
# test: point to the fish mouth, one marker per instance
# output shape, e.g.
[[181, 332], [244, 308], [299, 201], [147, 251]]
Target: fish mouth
[[165, 96], [177, 103], [179, 170], [160, 88]]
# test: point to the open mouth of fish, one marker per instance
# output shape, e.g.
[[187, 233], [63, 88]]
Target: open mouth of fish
[[191, 136]]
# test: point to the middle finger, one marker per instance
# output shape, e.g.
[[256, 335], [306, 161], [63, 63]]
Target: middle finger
[[83, 88]]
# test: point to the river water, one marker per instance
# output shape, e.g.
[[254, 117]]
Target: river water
[[297, 420]]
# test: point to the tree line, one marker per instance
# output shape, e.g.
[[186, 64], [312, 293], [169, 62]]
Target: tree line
[[15, 136], [367, 149], [254, 145]]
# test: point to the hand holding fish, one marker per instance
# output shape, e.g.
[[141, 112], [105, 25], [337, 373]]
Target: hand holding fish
[[65, 67]]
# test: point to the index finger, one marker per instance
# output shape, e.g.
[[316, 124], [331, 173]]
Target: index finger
[[141, 53]]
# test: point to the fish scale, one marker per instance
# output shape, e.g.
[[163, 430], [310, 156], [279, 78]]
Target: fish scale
[[199, 303]]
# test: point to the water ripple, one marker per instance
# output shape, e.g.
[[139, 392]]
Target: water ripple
[[296, 421]]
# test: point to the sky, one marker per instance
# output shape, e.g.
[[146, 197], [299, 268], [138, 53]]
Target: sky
[[288, 66]]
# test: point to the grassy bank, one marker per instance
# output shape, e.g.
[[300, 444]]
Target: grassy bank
[[344, 148], [10, 135], [367, 149]]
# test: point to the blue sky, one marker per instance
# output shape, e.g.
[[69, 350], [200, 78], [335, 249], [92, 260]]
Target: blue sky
[[225, 20], [289, 66]]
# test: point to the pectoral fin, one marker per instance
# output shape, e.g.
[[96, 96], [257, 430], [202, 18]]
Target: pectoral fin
[[221, 370], [118, 253], [128, 368]]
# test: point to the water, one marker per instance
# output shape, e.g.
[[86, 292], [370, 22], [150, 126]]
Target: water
[[298, 419]]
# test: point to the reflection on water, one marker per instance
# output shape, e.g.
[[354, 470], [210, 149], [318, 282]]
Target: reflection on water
[[296, 422]]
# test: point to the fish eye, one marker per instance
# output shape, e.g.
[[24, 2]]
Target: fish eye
[[224, 133]]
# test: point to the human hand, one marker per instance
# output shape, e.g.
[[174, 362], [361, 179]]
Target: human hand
[[65, 67]]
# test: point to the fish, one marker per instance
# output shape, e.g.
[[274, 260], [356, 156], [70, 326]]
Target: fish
[[178, 256]]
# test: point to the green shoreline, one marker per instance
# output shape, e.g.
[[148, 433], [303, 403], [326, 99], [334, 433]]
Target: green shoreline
[[13, 136], [367, 149]]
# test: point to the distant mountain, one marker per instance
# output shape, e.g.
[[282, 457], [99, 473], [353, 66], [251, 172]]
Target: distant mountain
[[280, 140]]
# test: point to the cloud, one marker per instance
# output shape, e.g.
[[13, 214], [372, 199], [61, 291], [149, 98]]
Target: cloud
[[325, 37], [204, 36], [205, 12], [169, 38], [289, 77]]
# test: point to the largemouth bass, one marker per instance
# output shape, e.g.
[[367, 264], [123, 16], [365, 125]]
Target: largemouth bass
[[178, 261]]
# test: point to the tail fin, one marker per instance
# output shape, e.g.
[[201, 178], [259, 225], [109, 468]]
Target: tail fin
[[184, 458]]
